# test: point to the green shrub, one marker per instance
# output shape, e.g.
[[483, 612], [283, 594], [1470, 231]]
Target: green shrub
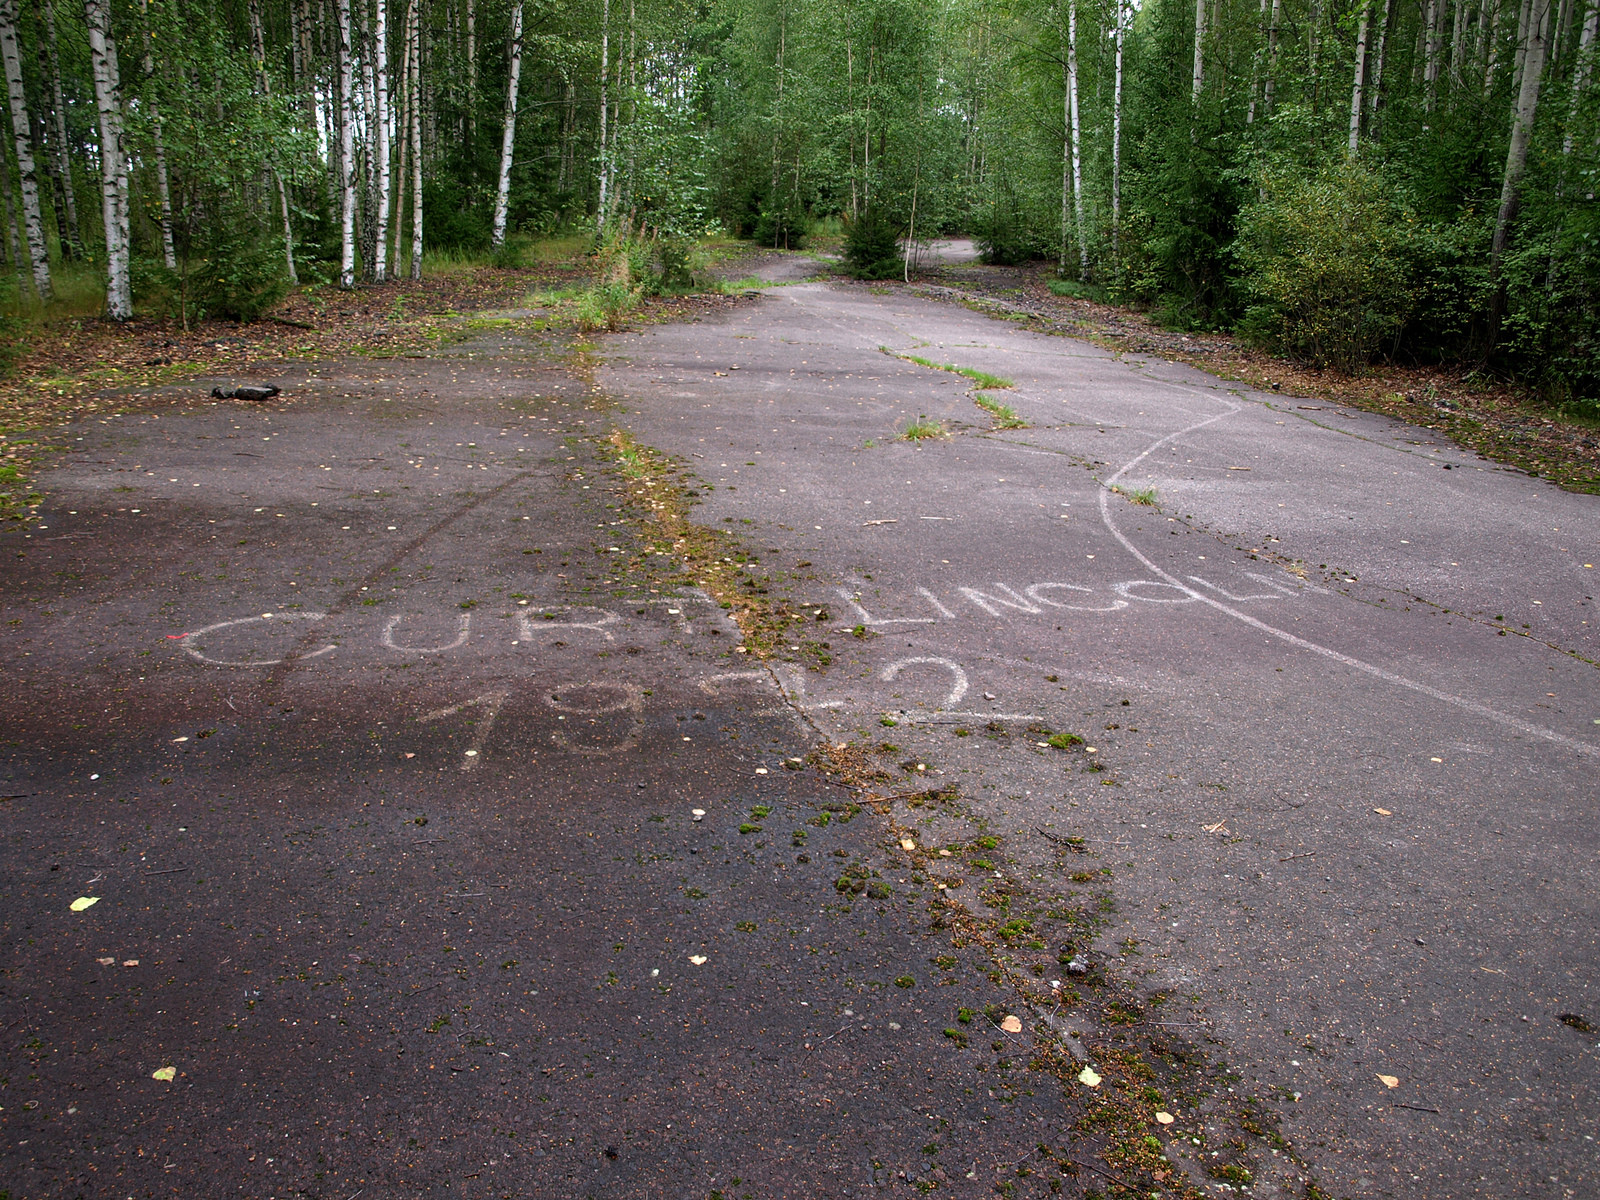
[[1324, 265], [243, 275], [872, 246]]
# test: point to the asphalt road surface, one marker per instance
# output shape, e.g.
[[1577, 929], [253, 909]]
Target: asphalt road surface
[[1338, 676], [377, 747]]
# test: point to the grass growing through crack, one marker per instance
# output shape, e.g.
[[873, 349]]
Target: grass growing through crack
[[982, 378], [1005, 417], [1145, 496], [659, 495], [922, 429]]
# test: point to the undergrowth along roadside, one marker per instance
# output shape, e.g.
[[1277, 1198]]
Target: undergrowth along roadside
[[1162, 1117]]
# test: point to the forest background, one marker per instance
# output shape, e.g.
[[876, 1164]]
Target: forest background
[[1336, 180]]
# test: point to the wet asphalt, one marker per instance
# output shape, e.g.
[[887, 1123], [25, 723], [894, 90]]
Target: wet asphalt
[[373, 825], [1338, 677]]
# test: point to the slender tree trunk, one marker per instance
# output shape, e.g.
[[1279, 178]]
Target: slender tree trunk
[[402, 126], [9, 199], [1077, 139], [1522, 48], [777, 121], [1199, 50], [1116, 143], [113, 159], [1255, 65], [508, 139], [169, 254], [347, 153], [1430, 53], [1269, 87], [380, 71], [416, 140], [1375, 84], [1581, 73], [1360, 77], [32, 219], [1559, 37], [1458, 43], [472, 74], [1527, 104], [72, 235], [605, 79], [1491, 58]]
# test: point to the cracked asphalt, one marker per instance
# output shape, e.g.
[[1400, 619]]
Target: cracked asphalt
[[379, 754], [1339, 680]]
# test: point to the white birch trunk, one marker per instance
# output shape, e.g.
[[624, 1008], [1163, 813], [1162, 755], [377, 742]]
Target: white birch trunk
[[1255, 66], [472, 72], [347, 154], [605, 50], [1580, 74], [1116, 141], [1066, 170], [508, 138], [169, 255], [380, 70], [1360, 76], [402, 127], [113, 165], [1430, 53], [1492, 49], [1458, 42], [1199, 50], [1527, 105], [1375, 84], [1077, 153], [73, 234], [32, 221], [1269, 88], [13, 238], [416, 142]]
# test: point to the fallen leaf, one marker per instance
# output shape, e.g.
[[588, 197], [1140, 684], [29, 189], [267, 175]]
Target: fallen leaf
[[1012, 1023], [1389, 1081], [83, 902], [1088, 1078], [130, 962], [1383, 812], [698, 960], [1164, 1118], [908, 844], [165, 1074], [106, 962]]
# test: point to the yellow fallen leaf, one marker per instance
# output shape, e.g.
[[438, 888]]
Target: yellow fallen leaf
[[1164, 1118], [165, 1074], [1383, 812], [1389, 1081], [1088, 1078], [1012, 1024], [698, 959], [83, 902], [908, 844], [106, 962]]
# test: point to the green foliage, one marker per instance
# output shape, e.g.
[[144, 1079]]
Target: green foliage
[[872, 246], [243, 275], [1324, 266]]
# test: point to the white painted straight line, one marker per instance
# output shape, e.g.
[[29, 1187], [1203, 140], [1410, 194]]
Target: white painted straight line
[[1461, 702]]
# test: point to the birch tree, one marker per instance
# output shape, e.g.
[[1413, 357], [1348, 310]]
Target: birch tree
[[1360, 76], [50, 53], [1077, 138], [113, 160], [347, 154], [32, 220], [380, 134], [1527, 104], [415, 106], [508, 137]]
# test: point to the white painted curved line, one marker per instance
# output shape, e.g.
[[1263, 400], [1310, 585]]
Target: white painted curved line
[[464, 627], [195, 653], [1189, 595], [1283, 635], [957, 675], [1036, 593]]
